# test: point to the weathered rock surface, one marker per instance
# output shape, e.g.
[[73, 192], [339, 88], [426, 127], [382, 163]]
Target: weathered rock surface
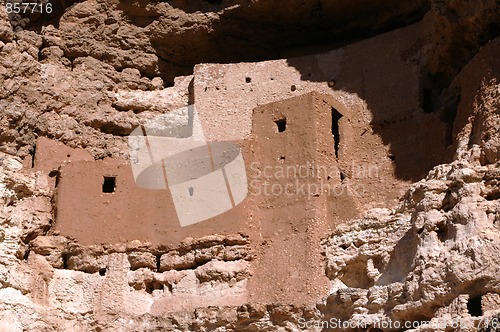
[[461, 28], [168, 38], [87, 75], [443, 244]]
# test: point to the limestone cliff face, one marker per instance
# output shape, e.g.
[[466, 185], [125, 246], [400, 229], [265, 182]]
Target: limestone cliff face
[[420, 244]]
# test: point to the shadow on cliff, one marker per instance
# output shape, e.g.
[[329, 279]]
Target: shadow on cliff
[[203, 6], [415, 128], [229, 31], [418, 139]]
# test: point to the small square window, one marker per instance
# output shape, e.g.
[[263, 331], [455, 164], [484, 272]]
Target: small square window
[[281, 124], [109, 184]]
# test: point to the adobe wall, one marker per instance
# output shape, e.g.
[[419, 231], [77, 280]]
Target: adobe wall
[[287, 166], [50, 154], [91, 216]]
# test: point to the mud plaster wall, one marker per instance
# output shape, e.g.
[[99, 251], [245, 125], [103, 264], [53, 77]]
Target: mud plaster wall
[[355, 177], [288, 166], [91, 216]]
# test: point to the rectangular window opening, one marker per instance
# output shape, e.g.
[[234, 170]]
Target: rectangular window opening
[[109, 184], [281, 124]]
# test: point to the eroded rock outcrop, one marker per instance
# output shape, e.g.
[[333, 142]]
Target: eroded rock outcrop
[[418, 263]]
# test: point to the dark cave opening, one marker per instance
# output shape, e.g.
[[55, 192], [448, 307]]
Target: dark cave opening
[[32, 152], [474, 306]]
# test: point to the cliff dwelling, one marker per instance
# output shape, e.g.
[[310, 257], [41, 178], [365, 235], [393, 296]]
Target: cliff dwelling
[[314, 156], [295, 193], [248, 166]]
